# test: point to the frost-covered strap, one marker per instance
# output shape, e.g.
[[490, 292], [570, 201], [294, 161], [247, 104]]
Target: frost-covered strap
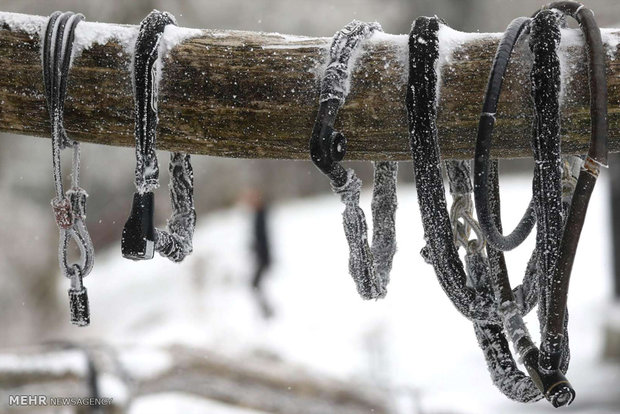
[[483, 146], [146, 88], [547, 185], [547, 188], [548, 210], [598, 151], [461, 216], [526, 294], [441, 251], [70, 207], [486, 189], [176, 243], [505, 374], [519, 301], [140, 237], [554, 343], [491, 277], [369, 266], [503, 369], [335, 82], [383, 207], [328, 146], [548, 192]]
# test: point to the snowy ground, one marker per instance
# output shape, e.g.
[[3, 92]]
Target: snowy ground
[[413, 342]]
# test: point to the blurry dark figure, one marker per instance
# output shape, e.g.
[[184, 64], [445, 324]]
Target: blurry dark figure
[[262, 250]]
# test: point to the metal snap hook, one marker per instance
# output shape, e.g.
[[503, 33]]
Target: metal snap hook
[[78, 299]]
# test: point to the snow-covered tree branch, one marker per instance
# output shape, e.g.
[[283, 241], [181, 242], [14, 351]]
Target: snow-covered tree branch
[[254, 95]]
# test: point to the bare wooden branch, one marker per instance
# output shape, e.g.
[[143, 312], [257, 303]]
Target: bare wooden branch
[[254, 95], [266, 385]]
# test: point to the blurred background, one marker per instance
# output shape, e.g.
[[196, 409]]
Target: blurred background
[[291, 315]]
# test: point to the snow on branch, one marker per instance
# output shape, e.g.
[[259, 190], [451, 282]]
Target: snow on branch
[[255, 95], [127, 373]]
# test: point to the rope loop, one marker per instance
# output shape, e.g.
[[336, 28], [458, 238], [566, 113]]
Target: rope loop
[[69, 207]]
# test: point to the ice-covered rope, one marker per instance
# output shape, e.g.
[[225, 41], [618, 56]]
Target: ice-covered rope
[[547, 184], [70, 207], [441, 246], [505, 374], [440, 250], [556, 191], [476, 281], [554, 342], [559, 210], [491, 338], [484, 276], [140, 237], [547, 189], [369, 266]]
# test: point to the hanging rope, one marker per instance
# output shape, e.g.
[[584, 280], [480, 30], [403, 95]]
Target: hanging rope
[[547, 187], [548, 195], [553, 335], [470, 287], [369, 266], [479, 287], [140, 237], [70, 207], [552, 193], [440, 250], [554, 199], [503, 369]]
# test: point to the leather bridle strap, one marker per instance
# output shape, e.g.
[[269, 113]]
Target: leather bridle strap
[[140, 237]]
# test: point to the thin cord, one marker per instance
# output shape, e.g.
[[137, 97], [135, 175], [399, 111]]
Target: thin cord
[[70, 207]]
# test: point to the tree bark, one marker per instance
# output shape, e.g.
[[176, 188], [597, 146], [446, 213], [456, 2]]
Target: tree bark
[[255, 95]]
